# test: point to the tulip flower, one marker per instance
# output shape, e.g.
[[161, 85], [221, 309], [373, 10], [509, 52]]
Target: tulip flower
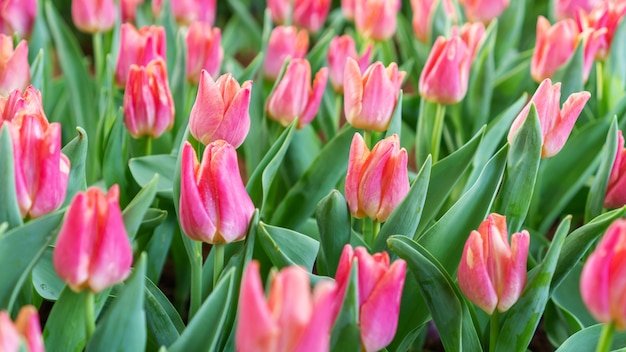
[[380, 290], [568, 8], [377, 180], [26, 329], [483, 10], [285, 43], [602, 20], [616, 188], [148, 103], [602, 284], [423, 14], [290, 319], [214, 206], [18, 16], [306, 14], [93, 251], [17, 103], [156, 6], [14, 67], [376, 19], [340, 49], [492, 274], [221, 110], [347, 8], [129, 9], [472, 34], [370, 99], [204, 50], [138, 47], [93, 16], [556, 124], [188, 11], [294, 96]]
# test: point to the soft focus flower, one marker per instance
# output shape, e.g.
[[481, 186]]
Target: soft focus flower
[[603, 19], [93, 16], [156, 6], [17, 102], [347, 8], [148, 103], [568, 8], [290, 319], [129, 9], [295, 97], [380, 290], [492, 274], [556, 124], [285, 43], [306, 14], [616, 188], [204, 50], [370, 99], [18, 16], [138, 47], [423, 15], [221, 110], [472, 34], [603, 279], [376, 19], [188, 11], [483, 10], [340, 49], [93, 251], [214, 206], [377, 180], [14, 67], [25, 329]]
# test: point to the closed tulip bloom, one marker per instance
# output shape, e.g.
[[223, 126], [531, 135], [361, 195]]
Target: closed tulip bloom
[[603, 279], [138, 47], [423, 13], [129, 9], [221, 110], [204, 50], [14, 66], [568, 8], [340, 49], [17, 103], [492, 274], [93, 251], [602, 20], [148, 103], [294, 97], [93, 16], [616, 188], [376, 19], [380, 291], [214, 206], [377, 180], [292, 318], [472, 34], [347, 8], [18, 16], [188, 11], [483, 10], [556, 124], [370, 99], [285, 43], [26, 329], [306, 14]]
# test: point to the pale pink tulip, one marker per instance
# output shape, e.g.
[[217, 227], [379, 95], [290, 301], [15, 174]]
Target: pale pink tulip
[[568, 8], [204, 50], [129, 9], [26, 329], [286, 43], [602, 20], [188, 11], [305, 14], [423, 14], [17, 103], [92, 16], [14, 66], [483, 10], [340, 49], [138, 47], [376, 19], [616, 188], [347, 8], [18, 16]]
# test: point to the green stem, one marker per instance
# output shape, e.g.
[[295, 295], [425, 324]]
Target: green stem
[[338, 110], [148, 145], [90, 320], [494, 329], [367, 137], [196, 280], [219, 262], [603, 106], [375, 230], [98, 55], [437, 131], [606, 338]]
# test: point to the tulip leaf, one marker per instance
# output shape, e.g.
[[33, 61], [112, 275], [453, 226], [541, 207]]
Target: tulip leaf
[[135, 211], [445, 302], [559, 323], [253, 29], [522, 319], [567, 295], [440, 23], [587, 340], [252, 69], [144, 168], [477, 103], [286, 247], [570, 74], [614, 74], [333, 222], [346, 334], [180, 88], [395, 123], [45, 279], [163, 322], [425, 128], [115, 153], [597, 191], [37, 72], [10, 210], [317, 54], [76, 151], [510, 25]]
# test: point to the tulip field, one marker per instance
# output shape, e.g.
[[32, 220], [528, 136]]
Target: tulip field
[[313, 175]]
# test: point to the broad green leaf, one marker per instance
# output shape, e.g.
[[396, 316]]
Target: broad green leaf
[[287, 247], [144, 168], [163, 321], [425, 129], [76, 151], [567, 296], [252, 69], [395, 124], [317, 54], [510, 25], [570, 74], [251, 25], [45, 279], [440, 23], [346, 335], [559, 324], [10, 210], [136, 210], [477, 103], [36, 72], [180, 87], [597, 191], [115, 153], [587, 340], [333, 222]]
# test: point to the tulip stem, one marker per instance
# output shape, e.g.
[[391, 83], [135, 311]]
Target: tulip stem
[[98, 57], [606, 338], [437, 131], [338, 108], [90, 321], [600, 88], [196, 280], [219, 262], [375, 230], [494, 329], [148, 145], [367, 137]]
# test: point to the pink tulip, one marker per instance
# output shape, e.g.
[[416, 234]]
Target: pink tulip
[[294, 97], [214, 206], [347, 8], [603, 279], [568, 8], [492, 274], [556, 124], [377, 181], [341, 48], [129, 9], [148, 103], [616, 188], [601, 20], [156, 6], [423, 14], [472, 34], [17, 103], [370, 99], [285, 43], [311, 14], [290, 319], [221, 110], [483, 10], [204, 50], [92, 16], [14, 67], [380, 290], [376, 19], [25, 329], [138, 47], [93, 251], [188, 11], [18, 16]]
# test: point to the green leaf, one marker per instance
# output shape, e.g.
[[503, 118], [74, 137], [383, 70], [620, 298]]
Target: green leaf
[[136, 210], [76, 151], [144, 168], [115, 153], [395, 124], [163, 321], [45, 279], [180, 88], [477, 103], [567, 296], [587, 340], [346, 334], [317, 54], [510, 24], [333, 222], [36, 72], [252, 28], [570, 74], [425, 127], [597, 191], [286, 247], [252, 69], [440, 23], [10, 210]]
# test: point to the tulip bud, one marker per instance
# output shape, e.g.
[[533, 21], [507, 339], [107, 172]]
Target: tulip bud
[[483, 10], [204, 50], [423, 13], [380, 290], [602, 279], [14, 67], [138, 47], [188, 11], [568, 8], [347, 8], [342, 48], [602, 20], [93, 251], [92, 16], [285, 43], [492, 274], [377, 181], [294, 96], [18, 16], [28, 103], [25, 329], [290, 319], [616, 188], [306, 14], [376, 19], [369, 100], [556, 124], [214, 205], [129, 9], [221, 110], [148, 103]]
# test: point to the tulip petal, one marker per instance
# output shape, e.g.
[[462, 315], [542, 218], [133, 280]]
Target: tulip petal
[[379, 98], [207, 111], [395, 184], [515, 277], [555, 139], [316, 336], [352, 90], [358, 155], [315, 98], [473, 275], [236, 123]]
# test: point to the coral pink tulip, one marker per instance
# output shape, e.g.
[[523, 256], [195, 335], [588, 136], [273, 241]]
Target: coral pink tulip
[[377, 180], [341, 48], [18, 16], [294, 97], [370, 99], [376, 19], [129, 9], [221, 110], [306, 14], [204, 50], [148, 103], [492, 274], [483, 10], [380, 290], [290, 319], [616, 188], [556, 124], [347, 8], [568, 8], [92, 16], [138, 47], [603, 279], [603, 19], [188, 11], [17, 103], [423, 15], [214, 206], [93, 251], [285, 43], [26, 329], [14, 67]]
